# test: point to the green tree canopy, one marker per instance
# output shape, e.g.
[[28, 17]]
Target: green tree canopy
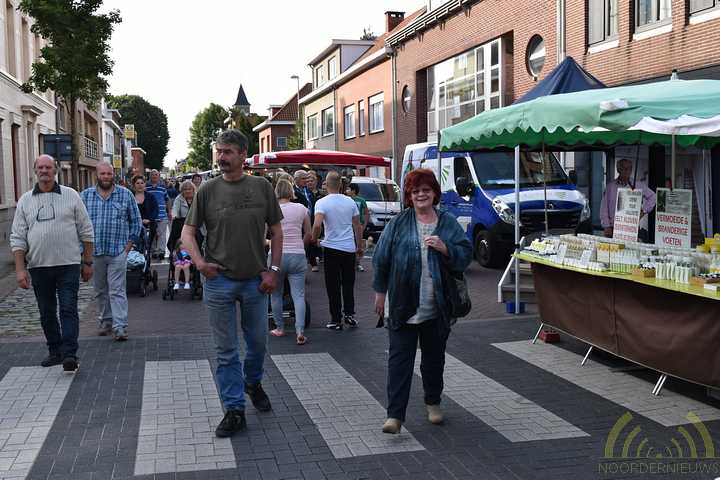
[[76, 59], [151, 126], [295, 140], [206, 125]]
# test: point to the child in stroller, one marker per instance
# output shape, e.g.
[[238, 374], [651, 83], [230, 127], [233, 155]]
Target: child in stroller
[[181, 259], [182, 273], [139, 274]]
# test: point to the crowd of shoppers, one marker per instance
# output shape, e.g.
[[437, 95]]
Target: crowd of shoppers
[[59, 237]]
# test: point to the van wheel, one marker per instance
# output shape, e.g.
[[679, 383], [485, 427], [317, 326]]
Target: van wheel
[[487, 252]]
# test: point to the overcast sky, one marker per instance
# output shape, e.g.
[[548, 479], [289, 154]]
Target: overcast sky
[[183, 55]]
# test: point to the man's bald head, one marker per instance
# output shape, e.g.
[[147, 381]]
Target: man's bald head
[[45, 169], [45, 159]]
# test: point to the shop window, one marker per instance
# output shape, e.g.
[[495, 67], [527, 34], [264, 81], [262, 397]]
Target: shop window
[[648, 13]]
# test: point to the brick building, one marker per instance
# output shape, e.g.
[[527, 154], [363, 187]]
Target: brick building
[[461, 57], [364, 97], [274, 132]]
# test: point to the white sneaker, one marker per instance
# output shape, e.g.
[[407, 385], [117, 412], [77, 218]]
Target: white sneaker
[[187, 286], [176, 286]]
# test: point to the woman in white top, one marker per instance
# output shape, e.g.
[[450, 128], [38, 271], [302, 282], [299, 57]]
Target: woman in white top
[[182, 202], [296, 234]]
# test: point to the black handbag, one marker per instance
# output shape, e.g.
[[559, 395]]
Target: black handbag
[[455, 290]]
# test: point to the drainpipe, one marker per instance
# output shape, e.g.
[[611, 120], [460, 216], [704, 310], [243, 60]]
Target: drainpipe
[[393, 134], [561, 53], [336, 119]]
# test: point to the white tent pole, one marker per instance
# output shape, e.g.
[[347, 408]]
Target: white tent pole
[[547, 223], [517, 229]]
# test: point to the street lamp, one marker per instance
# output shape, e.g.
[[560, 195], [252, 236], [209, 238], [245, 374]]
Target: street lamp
[[300, 117]]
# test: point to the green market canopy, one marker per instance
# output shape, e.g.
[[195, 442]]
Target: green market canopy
[[688, 110]]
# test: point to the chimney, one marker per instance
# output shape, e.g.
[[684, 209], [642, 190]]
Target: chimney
[[392, 20]]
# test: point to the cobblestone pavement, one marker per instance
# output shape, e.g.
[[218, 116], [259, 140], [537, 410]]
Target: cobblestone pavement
[[146, 408], [19, 315]]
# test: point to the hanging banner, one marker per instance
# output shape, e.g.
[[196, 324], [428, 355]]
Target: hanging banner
[[627, 214], [673, 218], [129, 131]]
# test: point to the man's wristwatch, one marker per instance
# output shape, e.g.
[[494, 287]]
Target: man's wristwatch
[[275, 268], [89, 264]]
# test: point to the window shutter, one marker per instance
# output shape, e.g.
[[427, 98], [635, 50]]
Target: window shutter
[[596, 21], [699, 5]]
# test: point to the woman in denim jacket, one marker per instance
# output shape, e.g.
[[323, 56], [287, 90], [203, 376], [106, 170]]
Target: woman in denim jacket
[[407, 267]]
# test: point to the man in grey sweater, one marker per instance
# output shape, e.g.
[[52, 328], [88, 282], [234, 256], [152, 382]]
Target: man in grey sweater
[[50, 225]]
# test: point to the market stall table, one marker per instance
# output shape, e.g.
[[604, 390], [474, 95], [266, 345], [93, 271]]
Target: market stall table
[[662, 325]]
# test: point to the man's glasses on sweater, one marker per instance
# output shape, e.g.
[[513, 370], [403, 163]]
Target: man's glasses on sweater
[[46, 213]]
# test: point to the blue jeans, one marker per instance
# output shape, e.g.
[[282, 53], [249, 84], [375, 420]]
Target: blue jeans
[[294, 266], [220, 294], [53, 284]]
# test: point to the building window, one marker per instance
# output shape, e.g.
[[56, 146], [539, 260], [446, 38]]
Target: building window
[[320, 75], [649, 12], [281, 143], [406, 99], [377, 117], [10, 39], [312, 127], [361, 116], [332, 68], [26, 62], [464, 86], [602, 20], [328, 121], [535, 55], [349, 121], [697, 6]]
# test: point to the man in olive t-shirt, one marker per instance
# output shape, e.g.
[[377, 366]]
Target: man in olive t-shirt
[[235, 209]]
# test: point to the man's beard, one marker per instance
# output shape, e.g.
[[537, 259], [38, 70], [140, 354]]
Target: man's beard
[[105, 184]]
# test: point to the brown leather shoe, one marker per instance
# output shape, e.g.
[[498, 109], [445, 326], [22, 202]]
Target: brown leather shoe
[[392, 425]]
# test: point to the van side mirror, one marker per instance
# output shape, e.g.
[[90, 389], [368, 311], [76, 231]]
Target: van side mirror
[[464, 187]]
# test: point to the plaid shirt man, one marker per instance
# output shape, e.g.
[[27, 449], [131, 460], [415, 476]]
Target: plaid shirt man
[[115, 220]]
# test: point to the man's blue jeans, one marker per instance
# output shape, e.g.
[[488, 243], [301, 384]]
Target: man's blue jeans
[[53, 285], [220, 294]]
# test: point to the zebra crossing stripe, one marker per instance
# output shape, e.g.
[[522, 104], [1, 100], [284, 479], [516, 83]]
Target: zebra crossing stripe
[[347, 416], [30, 399], [513, 416], [668, 409], [180, 410]]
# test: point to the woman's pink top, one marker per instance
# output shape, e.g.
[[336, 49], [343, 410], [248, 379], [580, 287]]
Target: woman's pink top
[[292, 223]]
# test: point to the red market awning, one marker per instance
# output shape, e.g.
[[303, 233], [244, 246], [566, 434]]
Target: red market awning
[[298, 158]]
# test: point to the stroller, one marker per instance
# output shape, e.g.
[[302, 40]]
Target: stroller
[[139, 274], [196, 290]]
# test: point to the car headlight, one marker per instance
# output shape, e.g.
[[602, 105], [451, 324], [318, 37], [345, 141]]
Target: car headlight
[[505, 213], [585, 215]]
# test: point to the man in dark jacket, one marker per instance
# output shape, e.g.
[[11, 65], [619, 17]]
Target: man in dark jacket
[[302, 193]]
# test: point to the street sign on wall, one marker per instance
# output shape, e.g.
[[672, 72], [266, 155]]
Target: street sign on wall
[[58, 146]]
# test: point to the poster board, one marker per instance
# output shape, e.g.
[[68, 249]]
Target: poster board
[[673, 218], [627, 214]]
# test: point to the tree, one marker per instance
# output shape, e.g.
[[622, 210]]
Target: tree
[[245, 123], [76, 59], [206, 125], [151, 126], [368, 34], [295, 140]]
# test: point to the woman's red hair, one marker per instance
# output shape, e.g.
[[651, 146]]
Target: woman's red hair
[[415, 179]]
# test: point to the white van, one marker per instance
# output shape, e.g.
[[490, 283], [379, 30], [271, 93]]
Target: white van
[[383, 200]]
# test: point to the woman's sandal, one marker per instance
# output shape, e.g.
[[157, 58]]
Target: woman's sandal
[[277, 333], [301, 340]]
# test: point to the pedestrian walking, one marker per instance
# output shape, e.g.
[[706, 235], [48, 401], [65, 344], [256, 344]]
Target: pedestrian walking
[[296, 234], [302, 193], [339, 216], [353, 191], [172, 190], [147, 205], [236, 209], [116, 219], [197, 180], [49, 228], [158, 190], [313, 251], [407, 262]]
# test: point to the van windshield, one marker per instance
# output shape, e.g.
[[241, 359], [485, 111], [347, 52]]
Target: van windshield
[[497, 169], [379, 192]]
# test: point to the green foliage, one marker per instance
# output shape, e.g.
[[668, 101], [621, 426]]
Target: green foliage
[[295, 140], [368, 34], [151, 126], [76, 59], [246, 123], [206, 125]]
